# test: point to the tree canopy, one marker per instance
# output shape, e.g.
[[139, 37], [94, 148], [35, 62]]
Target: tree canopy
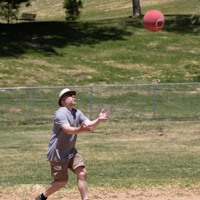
[[196, 17], [72, 8], [9, 8]]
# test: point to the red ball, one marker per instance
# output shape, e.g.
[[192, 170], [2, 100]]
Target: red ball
[[153, 20]]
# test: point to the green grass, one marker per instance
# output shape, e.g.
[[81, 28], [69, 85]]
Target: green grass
[[105, 46], [102, 50], [107, 9], [135, 103], [110, 52], [116, 155]]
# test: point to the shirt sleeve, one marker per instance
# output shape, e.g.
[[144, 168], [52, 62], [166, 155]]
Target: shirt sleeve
[[82, 118], [61, 119]]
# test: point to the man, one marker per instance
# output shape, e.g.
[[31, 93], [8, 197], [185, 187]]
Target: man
[[61, 152]]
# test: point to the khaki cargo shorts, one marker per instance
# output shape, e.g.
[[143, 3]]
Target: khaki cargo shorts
[[59, 171]]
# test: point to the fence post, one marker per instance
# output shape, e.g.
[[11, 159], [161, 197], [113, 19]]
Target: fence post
[[91, 103], [154, 104], [31, 104]]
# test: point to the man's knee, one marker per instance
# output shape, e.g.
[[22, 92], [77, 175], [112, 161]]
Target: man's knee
[[61, 183], [84, 172], [81, 173], [64, 183]]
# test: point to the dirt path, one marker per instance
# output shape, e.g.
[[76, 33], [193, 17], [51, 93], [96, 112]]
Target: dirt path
[[110, 194], [121, 196]]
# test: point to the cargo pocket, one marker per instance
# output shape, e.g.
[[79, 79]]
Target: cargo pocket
[[59, 172]]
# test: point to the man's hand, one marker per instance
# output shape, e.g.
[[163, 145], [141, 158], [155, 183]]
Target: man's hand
[[86, 128], [103, 116]]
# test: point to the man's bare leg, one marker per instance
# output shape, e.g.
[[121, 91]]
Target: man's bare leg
[[82, 183], [53, 187]]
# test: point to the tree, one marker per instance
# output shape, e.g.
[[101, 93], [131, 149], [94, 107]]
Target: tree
[[72, 8], [9, 8], [136, 8], [196, 17]]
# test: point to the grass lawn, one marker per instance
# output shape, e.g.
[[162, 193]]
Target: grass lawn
[[116, 154], [141, 159], [105, 49], [106, 46]]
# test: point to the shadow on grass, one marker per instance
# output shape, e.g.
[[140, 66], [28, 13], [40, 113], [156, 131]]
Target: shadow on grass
[[43, 37], [16, 39], [180, 24]]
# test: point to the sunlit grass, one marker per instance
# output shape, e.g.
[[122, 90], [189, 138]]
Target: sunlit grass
[[105, 46], [115, 154]]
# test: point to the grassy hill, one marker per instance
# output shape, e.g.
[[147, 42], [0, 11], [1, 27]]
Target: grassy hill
[[105, 46], [107, 9]]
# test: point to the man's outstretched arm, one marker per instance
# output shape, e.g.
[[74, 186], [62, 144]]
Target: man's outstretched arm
[[102, 116], [75, 130]]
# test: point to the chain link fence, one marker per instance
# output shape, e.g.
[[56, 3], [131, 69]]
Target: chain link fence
[[137, 102]]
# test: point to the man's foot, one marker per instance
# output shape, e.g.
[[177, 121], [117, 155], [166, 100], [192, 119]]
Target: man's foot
[[41, 197]]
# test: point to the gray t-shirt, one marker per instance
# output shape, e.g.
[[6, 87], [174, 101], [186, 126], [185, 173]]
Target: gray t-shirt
[[62, 145]]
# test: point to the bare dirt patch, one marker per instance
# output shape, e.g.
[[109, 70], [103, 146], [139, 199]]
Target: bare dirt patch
[[167, 193], [153, 2]]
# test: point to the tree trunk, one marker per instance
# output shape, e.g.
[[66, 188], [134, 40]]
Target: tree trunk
[[8, 17], [136, 8]]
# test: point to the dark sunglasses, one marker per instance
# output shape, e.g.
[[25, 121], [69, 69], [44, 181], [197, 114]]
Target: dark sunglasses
[[71, 94]]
